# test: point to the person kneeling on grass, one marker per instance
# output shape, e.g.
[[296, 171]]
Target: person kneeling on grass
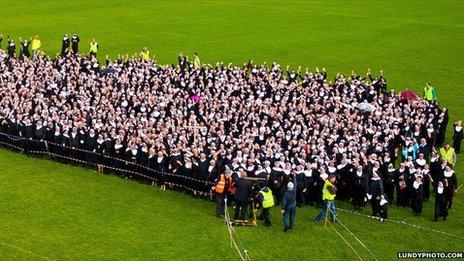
[[328, 195], [289, 206]]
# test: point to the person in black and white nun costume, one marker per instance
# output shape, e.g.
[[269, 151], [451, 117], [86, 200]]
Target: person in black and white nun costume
[[426, 180], [389, 181], [441, 203], [358, 188], [417, 196], [383, 207], [374, 193], [311, 175], [451, 184], [402, 195]]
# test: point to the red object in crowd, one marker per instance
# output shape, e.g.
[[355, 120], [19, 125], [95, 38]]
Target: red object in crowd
[[409, 95]]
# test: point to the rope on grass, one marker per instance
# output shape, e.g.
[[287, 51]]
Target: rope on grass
[[351, 233], [402, 222], [233, 234], [346, 241]]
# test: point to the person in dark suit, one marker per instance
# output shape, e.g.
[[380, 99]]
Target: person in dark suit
[[242, 194]]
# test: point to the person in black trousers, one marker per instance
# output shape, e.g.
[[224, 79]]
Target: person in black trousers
[[242, 194], [220, 191], [457, 137]]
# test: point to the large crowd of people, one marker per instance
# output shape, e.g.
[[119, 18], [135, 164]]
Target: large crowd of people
[[265, 121]]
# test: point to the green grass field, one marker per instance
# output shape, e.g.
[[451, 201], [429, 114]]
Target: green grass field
[[54, 211]]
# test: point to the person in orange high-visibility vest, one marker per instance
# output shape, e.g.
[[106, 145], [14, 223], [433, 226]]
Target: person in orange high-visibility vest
[[220, 191]]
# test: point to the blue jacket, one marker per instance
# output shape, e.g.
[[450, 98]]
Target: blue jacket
[[289, 199], [415, 149]]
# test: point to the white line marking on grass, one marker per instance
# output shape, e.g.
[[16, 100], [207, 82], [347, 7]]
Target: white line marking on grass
[[23, 250]]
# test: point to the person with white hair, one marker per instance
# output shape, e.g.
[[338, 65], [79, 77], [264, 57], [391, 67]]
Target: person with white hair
[[289, 206]]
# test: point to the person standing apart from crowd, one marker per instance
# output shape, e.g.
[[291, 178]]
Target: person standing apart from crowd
[[448, 153], [75, 43], [196, 61], [11, 47], [383, 209], [35, 45], [65, 43], [289, 206], [25, 47], [1, 40], [458, 136], [429, 93], [266, 199], [441, 203], [93, 48], [145, 53], [328, 195], [242, 194], [220, 189]]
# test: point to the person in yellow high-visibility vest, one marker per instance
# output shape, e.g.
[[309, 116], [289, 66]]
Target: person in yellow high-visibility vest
[[93, 47], [328, 195], [145, 53], [196, 61], [35, 45], [448, 153], [429, 93], [266, 199]]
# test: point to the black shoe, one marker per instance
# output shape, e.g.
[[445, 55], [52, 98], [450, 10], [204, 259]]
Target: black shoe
[[285, 229]]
